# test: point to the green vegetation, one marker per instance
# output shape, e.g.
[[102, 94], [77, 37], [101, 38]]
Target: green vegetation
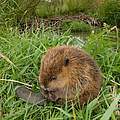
[[15, 12], [21, 53], [110, 12], [20, 61], [64, 6], [76, 26]]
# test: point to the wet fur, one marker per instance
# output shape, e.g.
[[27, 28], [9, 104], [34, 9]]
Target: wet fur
[[68, 73]]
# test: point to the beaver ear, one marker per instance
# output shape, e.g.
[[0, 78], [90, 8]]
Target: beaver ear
[[66, 61]]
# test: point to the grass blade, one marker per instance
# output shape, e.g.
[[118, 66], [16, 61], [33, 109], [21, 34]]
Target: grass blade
[[111, 108]]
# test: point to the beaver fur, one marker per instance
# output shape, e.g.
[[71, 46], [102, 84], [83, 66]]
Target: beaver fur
[[69, 73]]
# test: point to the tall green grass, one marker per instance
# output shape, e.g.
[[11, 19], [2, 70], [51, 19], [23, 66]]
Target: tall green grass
[[20, 56], [109, 12], [17, 12]]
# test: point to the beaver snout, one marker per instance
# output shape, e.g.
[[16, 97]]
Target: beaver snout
[[49, 93], [52, 96]]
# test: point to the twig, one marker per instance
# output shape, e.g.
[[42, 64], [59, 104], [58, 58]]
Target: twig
[[9, 80]]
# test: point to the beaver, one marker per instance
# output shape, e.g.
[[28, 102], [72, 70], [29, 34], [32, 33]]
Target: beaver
[[67, 73]]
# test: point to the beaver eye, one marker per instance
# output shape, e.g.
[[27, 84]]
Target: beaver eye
[[53, 77], [66, 61]]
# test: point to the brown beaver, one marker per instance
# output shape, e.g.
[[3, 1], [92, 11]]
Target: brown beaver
[[69, 73]]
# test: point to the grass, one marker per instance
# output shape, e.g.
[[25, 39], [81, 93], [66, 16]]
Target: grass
[[109, 12], [76, 26], [20, 56], [17, 12]]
